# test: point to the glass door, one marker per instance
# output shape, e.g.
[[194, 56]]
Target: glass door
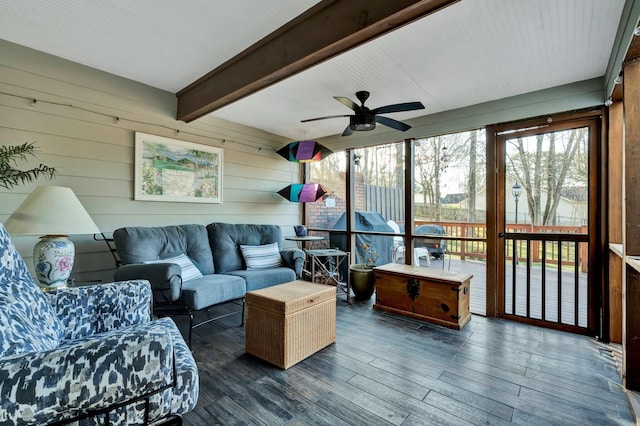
[[545, 225]]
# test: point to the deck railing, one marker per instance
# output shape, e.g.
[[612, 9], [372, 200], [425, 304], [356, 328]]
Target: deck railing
[[469, 241]]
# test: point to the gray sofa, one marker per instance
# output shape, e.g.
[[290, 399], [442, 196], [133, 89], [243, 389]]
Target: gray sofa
[[225, 240], [215, 250]]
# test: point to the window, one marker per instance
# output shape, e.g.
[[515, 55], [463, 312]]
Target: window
[[330, 172]]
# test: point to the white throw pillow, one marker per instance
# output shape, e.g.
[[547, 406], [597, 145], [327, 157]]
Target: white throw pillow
[[261, 257], [189, 270]]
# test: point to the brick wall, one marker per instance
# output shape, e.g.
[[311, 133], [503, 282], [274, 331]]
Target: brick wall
[[321, 216]]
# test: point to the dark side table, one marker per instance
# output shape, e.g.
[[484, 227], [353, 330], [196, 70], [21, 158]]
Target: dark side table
[[306, 239]]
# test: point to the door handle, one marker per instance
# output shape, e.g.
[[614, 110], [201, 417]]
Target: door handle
[[501, 235]]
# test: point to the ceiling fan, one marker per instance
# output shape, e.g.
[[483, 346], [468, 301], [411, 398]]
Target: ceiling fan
[[365, 119]]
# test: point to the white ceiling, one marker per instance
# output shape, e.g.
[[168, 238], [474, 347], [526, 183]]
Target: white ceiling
[[471, 52]]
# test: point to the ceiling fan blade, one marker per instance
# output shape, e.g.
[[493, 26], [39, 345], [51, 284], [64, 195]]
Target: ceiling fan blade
[[348, 102], [407, 106], [395, 124], [347, 131], [323, 118]]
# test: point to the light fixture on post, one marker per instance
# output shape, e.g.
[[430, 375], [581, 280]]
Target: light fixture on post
[[53, 212], [516, 191], [304, 151], [304, 192]]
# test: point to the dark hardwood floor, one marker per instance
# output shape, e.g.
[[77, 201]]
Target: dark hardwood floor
[[386, 369]]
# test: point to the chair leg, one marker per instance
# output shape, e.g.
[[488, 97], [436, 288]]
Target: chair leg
[[190, 327], [242, 317]]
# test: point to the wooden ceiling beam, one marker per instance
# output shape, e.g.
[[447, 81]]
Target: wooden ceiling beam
[[326, 30]]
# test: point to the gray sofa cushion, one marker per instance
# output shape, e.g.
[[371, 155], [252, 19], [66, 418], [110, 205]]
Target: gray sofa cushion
[[265, 277], [212, 289], [225, 240], [136, 244]]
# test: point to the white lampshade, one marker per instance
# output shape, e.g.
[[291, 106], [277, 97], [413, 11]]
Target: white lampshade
[[51, 210]]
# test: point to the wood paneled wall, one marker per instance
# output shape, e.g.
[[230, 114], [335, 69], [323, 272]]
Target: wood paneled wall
[[615, 156], [631, 217], [73, 125], [615, 178]]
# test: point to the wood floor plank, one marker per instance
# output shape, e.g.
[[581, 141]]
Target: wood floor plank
[[593, 364], [432, 419], [365, 400], [388, 369], [463, 376], [428, 357], [597, 387], [389, 379], [325, 368], [349, 412], [597, 414], [534, 407], [496, 376], [491, 358], [464, 411], [316, 416], [304, 382], [524, 418], [416, 408], [470, 398], [226, 411]]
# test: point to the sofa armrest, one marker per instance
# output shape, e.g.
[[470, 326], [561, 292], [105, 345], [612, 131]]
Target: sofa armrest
[[81, 377], [93, 309], [294, 259], [165, 278]]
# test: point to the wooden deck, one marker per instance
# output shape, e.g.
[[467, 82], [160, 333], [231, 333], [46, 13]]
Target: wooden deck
[[477, 303], [478, 298], [385, 369]]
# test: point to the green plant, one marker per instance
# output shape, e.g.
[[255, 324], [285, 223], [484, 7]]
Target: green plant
[[370, 256], [9, 158]]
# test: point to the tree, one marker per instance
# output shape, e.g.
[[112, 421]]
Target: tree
[[473, 173], [561, 164], [10, 156], [427, 170], [434, 156], [381, 165], [547, 167], [329, 168]]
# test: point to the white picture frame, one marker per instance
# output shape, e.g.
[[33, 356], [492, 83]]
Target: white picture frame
[[172, 170]]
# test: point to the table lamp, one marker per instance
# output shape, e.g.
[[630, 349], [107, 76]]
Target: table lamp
[[53, 212]]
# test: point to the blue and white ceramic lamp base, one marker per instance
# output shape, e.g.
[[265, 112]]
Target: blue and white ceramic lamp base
[[53, 256]]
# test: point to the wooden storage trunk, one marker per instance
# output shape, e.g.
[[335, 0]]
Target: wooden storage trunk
[[429, 294], [288, 322]]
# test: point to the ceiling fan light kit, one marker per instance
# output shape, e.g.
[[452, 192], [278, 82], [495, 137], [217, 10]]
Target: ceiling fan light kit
[[362, 123], [365, 119]]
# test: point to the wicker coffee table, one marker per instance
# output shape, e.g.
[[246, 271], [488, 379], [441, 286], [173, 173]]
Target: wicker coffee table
[[287, 323]]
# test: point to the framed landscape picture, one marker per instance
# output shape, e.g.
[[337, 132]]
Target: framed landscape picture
[[172, 170]]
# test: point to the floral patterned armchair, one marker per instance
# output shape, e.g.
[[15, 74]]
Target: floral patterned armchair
[[87, 355]]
